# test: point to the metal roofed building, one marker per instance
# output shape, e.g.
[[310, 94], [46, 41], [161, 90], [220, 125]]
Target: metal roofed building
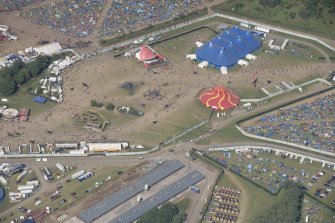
[[152, 177], [227, 48], [159, 198]]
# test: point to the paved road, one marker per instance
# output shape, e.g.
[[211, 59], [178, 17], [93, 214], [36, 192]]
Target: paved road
[[330, 43]]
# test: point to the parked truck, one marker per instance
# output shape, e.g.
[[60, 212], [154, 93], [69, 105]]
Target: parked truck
[[85, 176], [78, 174]]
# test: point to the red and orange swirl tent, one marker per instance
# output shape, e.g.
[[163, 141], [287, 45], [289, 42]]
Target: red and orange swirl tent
[[219, 98]]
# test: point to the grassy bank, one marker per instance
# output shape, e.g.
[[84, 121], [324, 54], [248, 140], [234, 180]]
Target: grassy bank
[[299, 15]]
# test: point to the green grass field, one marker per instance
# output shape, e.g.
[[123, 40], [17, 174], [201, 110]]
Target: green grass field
[[22, 99], [183, 204], [325, 49], [285, 14]]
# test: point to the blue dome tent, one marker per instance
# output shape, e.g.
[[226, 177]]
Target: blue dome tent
[[228, 47]]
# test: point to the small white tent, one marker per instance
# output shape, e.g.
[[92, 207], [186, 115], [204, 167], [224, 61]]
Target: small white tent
[[224, 70], [203, 64], [191, 56], [198, 44], [251, 57], [243, 63]]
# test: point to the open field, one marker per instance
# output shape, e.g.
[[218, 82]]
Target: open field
[[300, 15], [180, 82]]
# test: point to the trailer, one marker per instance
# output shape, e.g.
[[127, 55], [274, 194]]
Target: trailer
[[85, 176], [60, 167], [25, 187], [78, 174], [47, 172], [26, 191], [3, 181], [21, 175], [262, 29], [35, 183], [195, 189]]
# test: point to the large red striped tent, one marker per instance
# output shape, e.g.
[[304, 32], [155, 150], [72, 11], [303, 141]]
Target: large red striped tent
[[219, 98], [149, 56]]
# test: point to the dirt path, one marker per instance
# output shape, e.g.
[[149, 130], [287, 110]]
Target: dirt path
[[95, 35]]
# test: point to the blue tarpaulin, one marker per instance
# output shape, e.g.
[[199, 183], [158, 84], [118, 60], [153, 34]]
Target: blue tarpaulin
[[227, 48], [40, 99], [2, 194]]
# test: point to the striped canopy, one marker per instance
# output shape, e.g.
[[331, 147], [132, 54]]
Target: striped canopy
[[219, 98]]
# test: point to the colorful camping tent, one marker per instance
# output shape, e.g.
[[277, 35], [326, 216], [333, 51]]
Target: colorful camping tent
[[219, 98]]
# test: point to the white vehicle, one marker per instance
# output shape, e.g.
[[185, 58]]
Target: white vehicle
[[151, 38], [140, 158], [138, 41], [44, 159], [38, 202], [38, 159]]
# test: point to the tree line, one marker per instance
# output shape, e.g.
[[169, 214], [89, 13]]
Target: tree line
[[311, 8], [287, 209], [168, 213], [19, 73]]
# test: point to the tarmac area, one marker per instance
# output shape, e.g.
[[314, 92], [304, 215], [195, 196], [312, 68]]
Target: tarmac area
[[197, 200]]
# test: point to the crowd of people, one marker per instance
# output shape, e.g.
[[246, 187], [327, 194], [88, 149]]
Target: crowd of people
[[130, 14], [310, 124], [78, 18], [73, 18], [16, 4]]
